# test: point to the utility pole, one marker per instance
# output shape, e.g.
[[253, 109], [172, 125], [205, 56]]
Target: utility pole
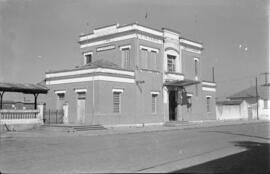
[[257, 98], [213, 74]]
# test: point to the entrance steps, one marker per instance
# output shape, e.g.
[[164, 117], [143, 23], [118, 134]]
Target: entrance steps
[[177, 123], [73, 128]]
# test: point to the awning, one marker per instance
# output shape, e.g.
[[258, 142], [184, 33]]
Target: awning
[[23, 88], [181, 83], [34, 89]]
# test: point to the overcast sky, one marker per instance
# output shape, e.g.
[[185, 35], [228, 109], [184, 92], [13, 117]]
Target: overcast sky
[[37, 36]]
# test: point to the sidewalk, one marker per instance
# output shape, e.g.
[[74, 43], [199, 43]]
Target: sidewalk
[[55, 132]]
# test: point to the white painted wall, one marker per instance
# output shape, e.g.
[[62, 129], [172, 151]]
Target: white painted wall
[[264, 113], [236, 112], [232, 112]]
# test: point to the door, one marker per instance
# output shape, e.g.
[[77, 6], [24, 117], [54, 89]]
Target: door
[[65, 110], [250, 115], [172, 105], [81, 107]]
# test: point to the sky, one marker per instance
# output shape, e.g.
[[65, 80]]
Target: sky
[[42, 35]]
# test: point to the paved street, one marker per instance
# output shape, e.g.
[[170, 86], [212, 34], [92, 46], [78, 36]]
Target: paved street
[[233, 148]]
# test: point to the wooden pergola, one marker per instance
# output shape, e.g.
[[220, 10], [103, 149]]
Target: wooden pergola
[[34, 89]]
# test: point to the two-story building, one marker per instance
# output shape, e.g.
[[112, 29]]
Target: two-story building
[[132, 75]]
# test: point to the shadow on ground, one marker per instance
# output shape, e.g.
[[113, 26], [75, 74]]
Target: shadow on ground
[[240, 134], [255, 160]]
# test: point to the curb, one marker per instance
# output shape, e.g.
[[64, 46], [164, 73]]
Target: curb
[[132, 130], [173, 128]]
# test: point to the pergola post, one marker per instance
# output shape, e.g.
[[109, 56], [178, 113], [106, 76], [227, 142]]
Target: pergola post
[[1, 99], [35, 95]]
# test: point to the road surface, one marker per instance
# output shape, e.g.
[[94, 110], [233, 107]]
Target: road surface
[[234, 148]]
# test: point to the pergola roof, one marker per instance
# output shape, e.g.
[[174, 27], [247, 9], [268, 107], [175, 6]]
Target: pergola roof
[[181, 83], [23, 88]]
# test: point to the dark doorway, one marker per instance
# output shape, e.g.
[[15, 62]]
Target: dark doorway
[[172, 105]]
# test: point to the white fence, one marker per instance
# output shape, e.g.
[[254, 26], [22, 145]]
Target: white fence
[[21, 116]]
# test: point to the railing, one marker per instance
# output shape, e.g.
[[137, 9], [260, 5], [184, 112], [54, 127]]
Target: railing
[[12, 117], [18, 114], [53, 116]]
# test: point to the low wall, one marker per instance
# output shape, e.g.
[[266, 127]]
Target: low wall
[[231, 112], [11, 120]]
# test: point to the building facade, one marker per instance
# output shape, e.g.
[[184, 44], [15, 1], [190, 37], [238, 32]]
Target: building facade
[[132, 75], [252, 104]]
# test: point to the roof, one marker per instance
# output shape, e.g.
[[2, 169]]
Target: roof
[[102, 64], [263, 92], [159, 32], [24, 88], [229, 102], [181, 83], [95, 64]]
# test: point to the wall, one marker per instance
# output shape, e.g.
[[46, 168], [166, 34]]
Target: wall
[[198, 110], [189, 65], [71, 99], [151, 81], [104, 103], [112, 55], [232, 112], [264, 113]]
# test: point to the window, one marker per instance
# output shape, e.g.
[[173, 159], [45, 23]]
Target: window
[[61, 96], [148, 57], [60, 100], [171, 63], [196, 61], [154, 103], [144, 58], [208, 104], [87, 58], [265, 103], [81, 95], [153, 57], [125, 57], [117, 101]]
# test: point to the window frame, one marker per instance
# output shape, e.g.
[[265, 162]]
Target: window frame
[[125, 58], [173, 63], [154, 97], [153, 57], [148, 63], [117, 91], [60, 98], [208, 104], [86, 58], [144, 58]]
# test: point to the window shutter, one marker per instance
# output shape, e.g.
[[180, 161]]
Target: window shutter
[[125, 58], [208, 104], [116, 102], [144, 61], [154, 103], [154, 60]]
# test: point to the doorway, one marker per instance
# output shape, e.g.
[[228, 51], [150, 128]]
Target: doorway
[[250, 115], [81, 107], [172, 105]]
